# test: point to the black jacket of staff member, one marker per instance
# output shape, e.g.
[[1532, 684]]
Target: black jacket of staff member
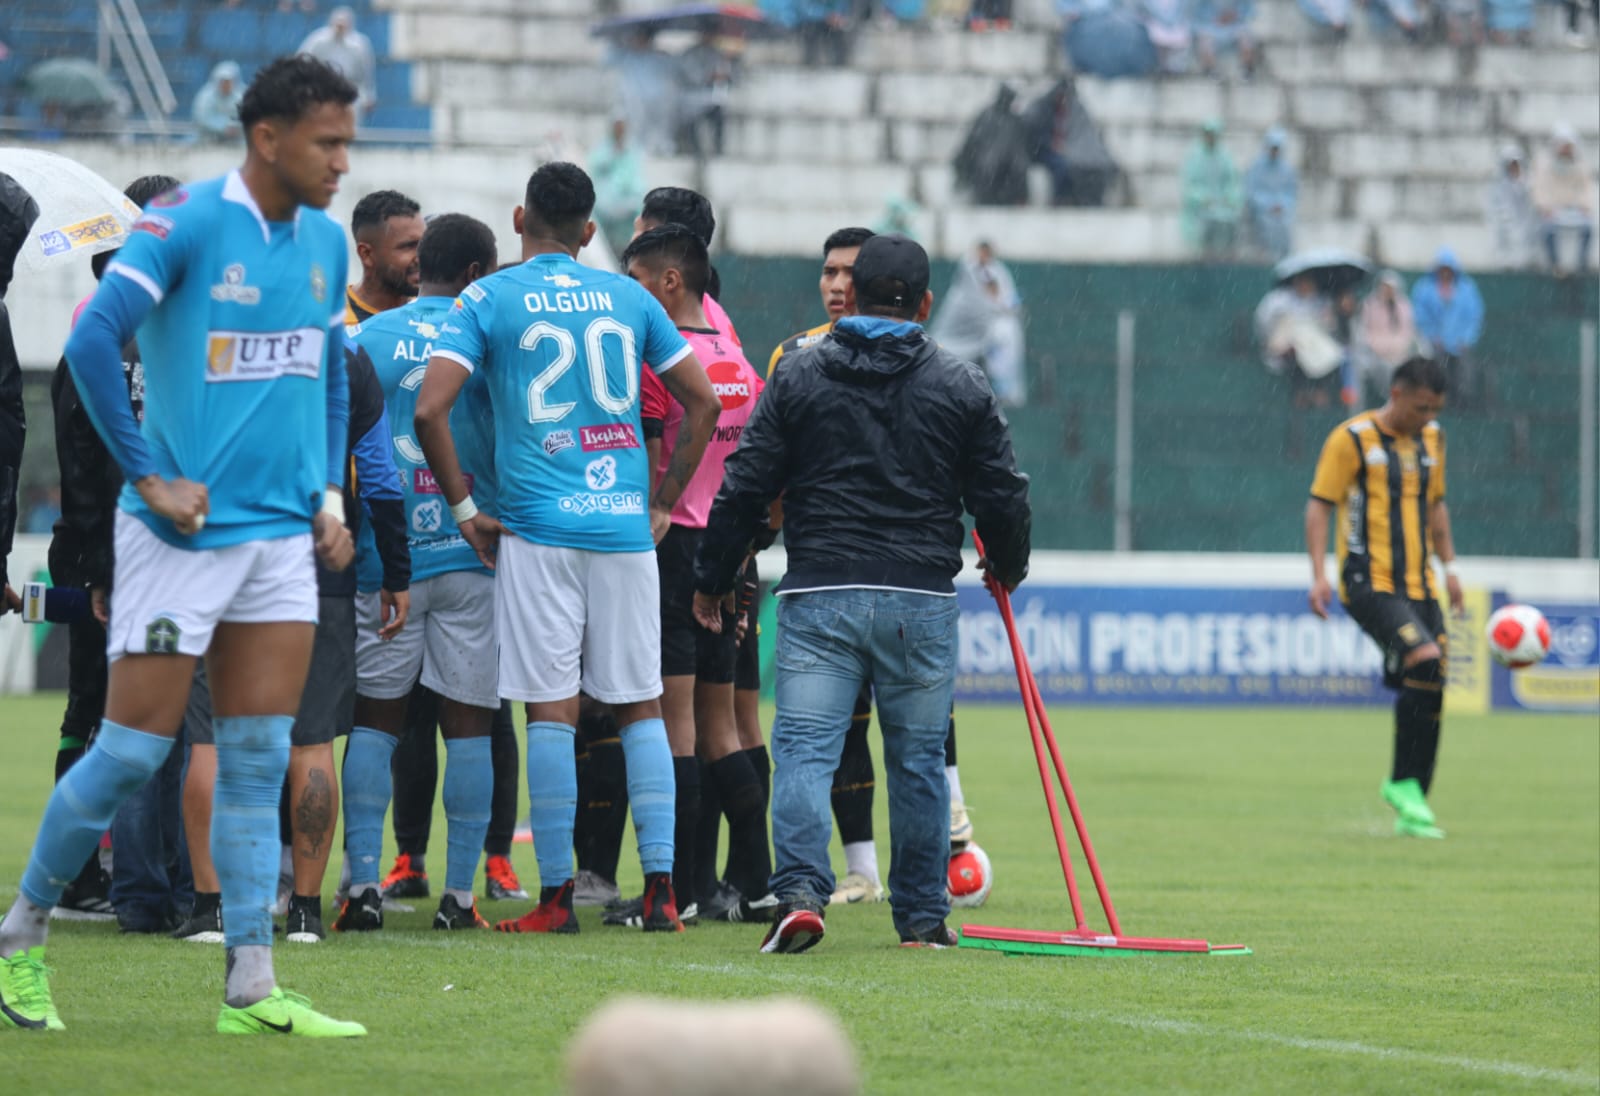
[[18, 211], [875, 444], [371, 479]]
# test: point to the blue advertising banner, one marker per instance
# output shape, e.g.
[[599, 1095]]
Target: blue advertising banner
[[1566, 681], [1144, 645]]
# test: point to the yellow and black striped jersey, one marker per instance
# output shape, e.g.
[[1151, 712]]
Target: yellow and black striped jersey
[[356, 310], [797, 342], [1384, 487]]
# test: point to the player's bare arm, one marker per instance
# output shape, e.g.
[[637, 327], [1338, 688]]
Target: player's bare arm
[[689, 385], [441, 384], [1444, 547], [1317, 516]]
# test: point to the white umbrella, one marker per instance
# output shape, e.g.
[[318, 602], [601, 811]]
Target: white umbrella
[[80, 213]]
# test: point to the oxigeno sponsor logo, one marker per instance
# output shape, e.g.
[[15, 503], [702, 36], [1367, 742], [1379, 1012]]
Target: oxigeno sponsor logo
[[1170, 643], [264, 355], [618, 502]]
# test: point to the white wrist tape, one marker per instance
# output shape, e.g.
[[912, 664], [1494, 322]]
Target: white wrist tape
[[464, 511], [333, 503]]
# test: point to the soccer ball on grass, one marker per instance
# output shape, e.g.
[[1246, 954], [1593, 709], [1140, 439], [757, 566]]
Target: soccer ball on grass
[[1519, 636], [971, 877]]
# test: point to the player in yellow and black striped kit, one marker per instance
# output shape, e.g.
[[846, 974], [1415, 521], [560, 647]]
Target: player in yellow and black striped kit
[[1384, 472]]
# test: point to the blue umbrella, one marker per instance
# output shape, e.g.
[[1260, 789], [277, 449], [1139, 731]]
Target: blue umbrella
[[1110, 43]]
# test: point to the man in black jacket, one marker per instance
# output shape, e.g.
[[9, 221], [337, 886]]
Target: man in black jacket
[[875, 438], [18, 211]]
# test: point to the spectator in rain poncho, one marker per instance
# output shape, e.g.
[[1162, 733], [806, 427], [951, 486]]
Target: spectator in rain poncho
[[1563, 196], [1294, 326], [992, 163], [1211, 201], [618, 174], [980, 319], [1063, 138], [1223, 26], [216, 104], [649, 92], [1331, 15], [1387, 332], [1271, 190], [339, 44], [1449, 312], [1167, 24], [1509, 21], [1511, 214]]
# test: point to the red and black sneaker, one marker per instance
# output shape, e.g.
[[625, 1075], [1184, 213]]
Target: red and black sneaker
[[796, 928], [934, 936], [404, 881], [552, 914], [660, 904]]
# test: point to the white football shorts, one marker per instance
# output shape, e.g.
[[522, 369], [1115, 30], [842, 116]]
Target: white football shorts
[[448, 640]]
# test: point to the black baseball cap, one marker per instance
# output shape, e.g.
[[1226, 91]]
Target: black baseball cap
[[891, 270]]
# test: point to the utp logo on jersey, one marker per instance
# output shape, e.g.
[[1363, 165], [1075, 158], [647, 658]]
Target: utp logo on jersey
[[264, 355], [730, 384]]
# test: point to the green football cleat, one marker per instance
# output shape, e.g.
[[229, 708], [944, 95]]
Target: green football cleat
[[25, 993], [1403, 827], [284, 1013], [1406, 797]]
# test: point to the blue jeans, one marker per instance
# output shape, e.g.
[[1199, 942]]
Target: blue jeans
[[829, 644], [150, 879]]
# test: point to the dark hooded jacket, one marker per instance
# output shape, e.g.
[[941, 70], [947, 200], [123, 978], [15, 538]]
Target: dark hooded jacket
[[18, 211], [876, 438], [992, 163]]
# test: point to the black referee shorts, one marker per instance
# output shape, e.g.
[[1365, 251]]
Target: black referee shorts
[[1398, 625], [328, 704], [687, 648]]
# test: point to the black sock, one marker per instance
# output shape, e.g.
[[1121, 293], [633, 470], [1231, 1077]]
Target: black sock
[[686, 781], [603, 797], [507, 761], [761, 762], [853, 781], [285, 824], [415, 768], [708, 835], [950, 744], [1416, 722], [747, 824]]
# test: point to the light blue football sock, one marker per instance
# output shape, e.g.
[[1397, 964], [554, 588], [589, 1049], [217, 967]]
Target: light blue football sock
[[468, 794], [368, 787], [552, 799], [252, 759], [83, 803], [652, 792]]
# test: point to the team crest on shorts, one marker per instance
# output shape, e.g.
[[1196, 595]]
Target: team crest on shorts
[[319, 283], [161, 637]]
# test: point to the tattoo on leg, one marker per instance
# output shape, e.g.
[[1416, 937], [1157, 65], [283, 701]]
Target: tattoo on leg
[[313, 815]]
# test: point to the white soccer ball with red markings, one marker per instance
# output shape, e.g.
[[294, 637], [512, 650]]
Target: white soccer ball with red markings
[[1519, 636], [971, 877]]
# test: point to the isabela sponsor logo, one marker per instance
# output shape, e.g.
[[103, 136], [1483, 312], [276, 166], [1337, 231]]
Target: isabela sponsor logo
[[729, 382], [558, 441], [264, 355], [423, 483], [616, 435]]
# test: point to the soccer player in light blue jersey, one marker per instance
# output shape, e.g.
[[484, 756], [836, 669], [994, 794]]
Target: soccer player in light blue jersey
[[561, 347], [450, 639], [234, 490]]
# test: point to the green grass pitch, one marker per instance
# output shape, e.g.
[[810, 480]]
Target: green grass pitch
[[1380, 965]]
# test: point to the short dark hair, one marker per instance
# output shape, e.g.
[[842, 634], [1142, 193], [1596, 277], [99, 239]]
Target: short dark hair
[[676, 246], [668, 205], [139, 192], [451, 243], [289, 87], [846, 237], [560, 198], [376, 208], [1422, 372]]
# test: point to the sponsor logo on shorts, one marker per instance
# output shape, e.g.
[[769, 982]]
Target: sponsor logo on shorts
[[619, 502], [730, 384], [161, 636], [427, 517], [264, 355], [601, 475], [233, 290], [617, 435], [423, 483], [557, 441], [154, 223]]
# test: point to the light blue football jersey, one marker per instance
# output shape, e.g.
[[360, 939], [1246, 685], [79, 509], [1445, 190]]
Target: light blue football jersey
[[237, 352], [561, 346], [399, 342]]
